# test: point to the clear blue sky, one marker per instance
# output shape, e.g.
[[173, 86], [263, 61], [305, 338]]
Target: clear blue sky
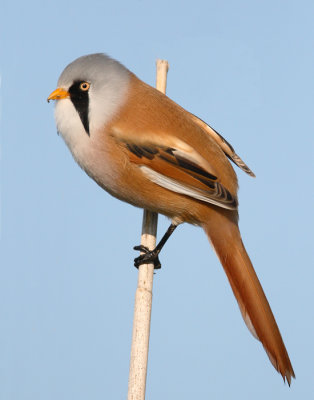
[[67, 282]]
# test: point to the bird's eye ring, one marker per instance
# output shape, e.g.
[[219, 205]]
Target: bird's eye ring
[[84, 86]]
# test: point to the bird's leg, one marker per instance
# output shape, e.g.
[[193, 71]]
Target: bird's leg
[[151, 256]]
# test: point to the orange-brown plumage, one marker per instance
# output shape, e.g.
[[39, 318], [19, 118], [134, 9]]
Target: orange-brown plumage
[[225, 238], [150, 152]]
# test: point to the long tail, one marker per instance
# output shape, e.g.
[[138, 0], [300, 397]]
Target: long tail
[[226, 240]]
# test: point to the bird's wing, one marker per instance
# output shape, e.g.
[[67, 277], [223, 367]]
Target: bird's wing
[[176, 166], [223, 144]]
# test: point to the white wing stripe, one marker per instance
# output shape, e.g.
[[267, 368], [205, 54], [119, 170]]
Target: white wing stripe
[[174, 186]]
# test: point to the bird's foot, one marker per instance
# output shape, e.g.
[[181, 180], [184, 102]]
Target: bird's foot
[[149, 256]]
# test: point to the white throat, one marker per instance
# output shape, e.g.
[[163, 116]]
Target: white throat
[[108, 91], [105, 100]]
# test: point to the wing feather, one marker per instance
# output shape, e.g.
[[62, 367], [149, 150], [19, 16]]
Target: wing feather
[[181, 170], [225, 146]]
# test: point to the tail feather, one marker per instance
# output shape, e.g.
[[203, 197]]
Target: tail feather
[[248, 291]]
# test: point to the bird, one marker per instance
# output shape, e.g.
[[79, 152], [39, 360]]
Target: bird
[[145, 149]]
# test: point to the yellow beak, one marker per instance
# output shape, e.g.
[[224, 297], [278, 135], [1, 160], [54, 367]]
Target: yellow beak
[[58, 94]]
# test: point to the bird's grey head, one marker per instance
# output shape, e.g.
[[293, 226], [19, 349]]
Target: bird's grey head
[[97, 87]]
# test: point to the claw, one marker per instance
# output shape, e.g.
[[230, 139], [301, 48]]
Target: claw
[[149, 256], [141, 248]]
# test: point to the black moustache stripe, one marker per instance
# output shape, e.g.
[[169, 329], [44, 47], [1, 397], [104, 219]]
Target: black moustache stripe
[[80, 100]]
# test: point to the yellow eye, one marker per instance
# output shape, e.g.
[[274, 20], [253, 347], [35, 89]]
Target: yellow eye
[[84, 86]]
